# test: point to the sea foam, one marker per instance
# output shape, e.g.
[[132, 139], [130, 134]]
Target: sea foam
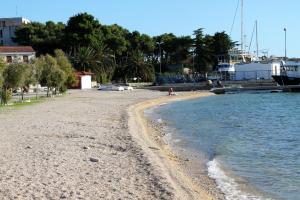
[[227, 184]]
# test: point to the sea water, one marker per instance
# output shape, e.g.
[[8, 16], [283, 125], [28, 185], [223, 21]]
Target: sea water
[[251, 141]]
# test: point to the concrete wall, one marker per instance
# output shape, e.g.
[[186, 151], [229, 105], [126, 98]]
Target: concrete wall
[[142, 84]]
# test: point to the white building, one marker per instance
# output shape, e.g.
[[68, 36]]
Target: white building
[[16, 54], [256, 70], [8, 27], [84, 80]]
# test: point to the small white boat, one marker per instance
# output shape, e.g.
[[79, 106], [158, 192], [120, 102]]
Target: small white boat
[[129, 88], [111, 88]]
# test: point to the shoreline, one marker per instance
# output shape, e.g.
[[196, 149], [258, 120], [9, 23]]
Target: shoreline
[[88, 146], [176, 169]]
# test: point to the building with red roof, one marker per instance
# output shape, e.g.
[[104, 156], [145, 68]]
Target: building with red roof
[[84, 80], [16, 54]]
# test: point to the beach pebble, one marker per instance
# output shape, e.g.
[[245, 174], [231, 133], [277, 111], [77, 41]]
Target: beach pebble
[[28, 147], [85, 147], [94, 159], [154, 148]]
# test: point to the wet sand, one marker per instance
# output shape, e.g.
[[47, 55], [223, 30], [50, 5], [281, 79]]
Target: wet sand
[[90, 145], [179, 170]]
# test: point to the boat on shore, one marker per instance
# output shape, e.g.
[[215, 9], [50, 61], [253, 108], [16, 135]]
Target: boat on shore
[[289, 73]]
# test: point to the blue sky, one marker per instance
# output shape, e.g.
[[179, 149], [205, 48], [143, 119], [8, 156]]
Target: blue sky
[[180, 17]]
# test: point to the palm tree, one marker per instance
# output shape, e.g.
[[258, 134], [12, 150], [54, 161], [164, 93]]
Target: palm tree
[[104, 64], [84, 57], [138, 67]]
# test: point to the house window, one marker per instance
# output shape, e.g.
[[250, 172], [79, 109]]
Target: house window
[[1, 42], [8, 59], [25, 59], [1, 33]]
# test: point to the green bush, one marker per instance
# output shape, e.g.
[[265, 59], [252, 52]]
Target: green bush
[[5, 96], [63, 89]]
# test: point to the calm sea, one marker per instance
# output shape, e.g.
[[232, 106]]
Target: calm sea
[[251, 141]]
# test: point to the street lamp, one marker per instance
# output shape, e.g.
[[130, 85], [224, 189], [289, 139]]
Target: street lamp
[[193, 55], [285, 44], [159, 48]]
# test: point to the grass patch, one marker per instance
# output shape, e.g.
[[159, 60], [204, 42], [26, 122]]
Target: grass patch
[[19, 104], [28, 102]]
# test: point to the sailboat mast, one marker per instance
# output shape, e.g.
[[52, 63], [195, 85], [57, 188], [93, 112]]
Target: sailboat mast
[[256, 40], [242, 25]]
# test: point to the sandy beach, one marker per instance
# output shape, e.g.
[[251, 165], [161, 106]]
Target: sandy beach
[[92, 145]]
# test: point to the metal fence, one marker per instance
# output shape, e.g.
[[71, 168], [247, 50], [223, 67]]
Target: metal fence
[[30, 95], [179, 78], [27, 96]]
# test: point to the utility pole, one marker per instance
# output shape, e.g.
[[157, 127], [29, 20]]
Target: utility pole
[[193, 54], [159, 49]]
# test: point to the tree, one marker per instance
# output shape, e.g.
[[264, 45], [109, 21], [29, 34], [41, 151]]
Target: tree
[[2, 67], [51, 76], [29, 77], [181, 48], [203, 61], [65, 65], [44, 38], [57, 79], [139, 68], [107, 50], [167, 47], [115, 38], [2, 93], [104, 64], [82, 30], [147, 44], [84, 58], [14, 76], [36, 73], [220, 45], [140, 42]]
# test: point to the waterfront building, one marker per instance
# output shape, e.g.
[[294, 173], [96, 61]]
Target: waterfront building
[[8, 27], [259, 70], [17, 54]]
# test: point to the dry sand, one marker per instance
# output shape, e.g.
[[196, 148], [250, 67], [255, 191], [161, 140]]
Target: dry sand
[[90, 145]]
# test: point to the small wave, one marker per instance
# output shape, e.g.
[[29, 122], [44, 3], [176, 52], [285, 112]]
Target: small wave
[[177, 140], [227, 184], [163, 104], [149, 111], [160, 121]]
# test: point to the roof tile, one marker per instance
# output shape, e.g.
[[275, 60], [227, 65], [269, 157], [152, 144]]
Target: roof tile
[[14, 49]]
